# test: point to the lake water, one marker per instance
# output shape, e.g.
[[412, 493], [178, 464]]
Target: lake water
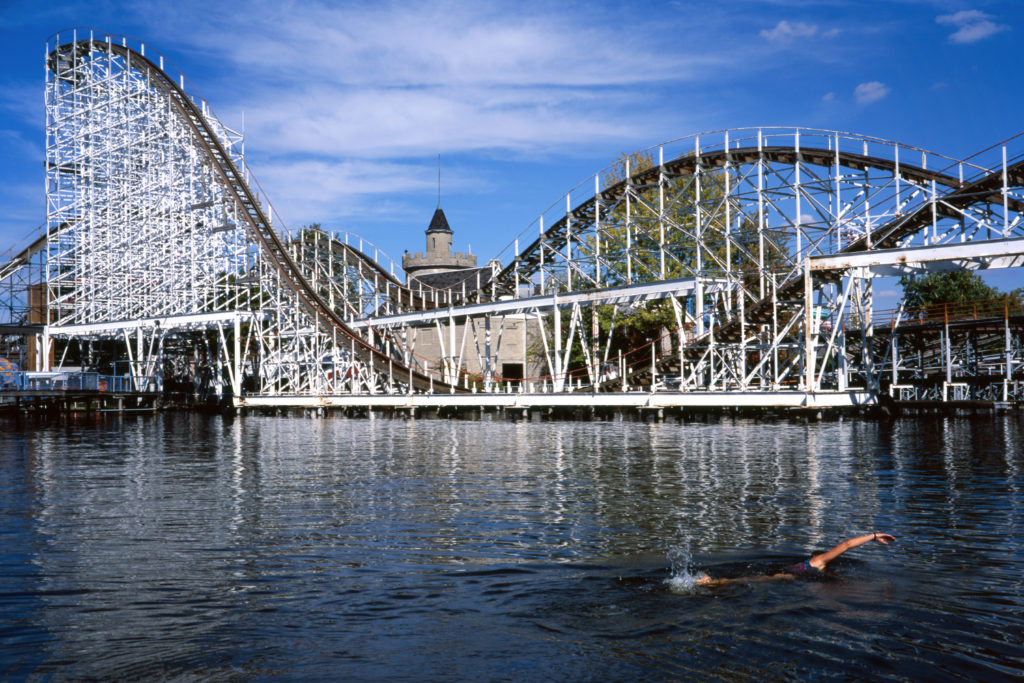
[[193, 547]]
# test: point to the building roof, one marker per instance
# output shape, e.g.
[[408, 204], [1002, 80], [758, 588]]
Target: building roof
[[439, 223], [452, 280]]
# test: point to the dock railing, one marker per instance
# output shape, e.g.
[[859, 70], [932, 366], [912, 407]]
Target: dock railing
[[55, 381]]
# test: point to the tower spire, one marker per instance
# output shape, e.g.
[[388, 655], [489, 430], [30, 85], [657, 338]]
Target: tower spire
[[439, 180]]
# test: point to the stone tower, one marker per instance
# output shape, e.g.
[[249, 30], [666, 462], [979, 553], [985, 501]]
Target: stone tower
[[438, 257]]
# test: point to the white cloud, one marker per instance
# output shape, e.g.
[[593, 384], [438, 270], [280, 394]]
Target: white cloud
[[785, 32], [397, 80], [21, 100], [412, 122], [869, 92], [971, 26], [398, 45], [316, 190], [828, 97], [14, 145]]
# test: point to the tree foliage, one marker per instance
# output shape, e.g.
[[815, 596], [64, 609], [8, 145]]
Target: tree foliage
[[681, 229], [951, 287]]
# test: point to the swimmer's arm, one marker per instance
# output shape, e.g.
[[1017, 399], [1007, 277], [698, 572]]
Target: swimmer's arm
[[705, 580], [819, 561]]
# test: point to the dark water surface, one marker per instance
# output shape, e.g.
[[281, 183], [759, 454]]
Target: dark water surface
[[190, 547]]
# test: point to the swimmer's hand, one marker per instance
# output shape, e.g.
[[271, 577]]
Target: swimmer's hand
[[884, 539]]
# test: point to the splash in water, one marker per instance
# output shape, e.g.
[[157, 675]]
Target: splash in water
[[683, 579]]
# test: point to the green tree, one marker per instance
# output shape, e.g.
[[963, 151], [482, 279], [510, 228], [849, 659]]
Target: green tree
[[956, 286], [659, 232]]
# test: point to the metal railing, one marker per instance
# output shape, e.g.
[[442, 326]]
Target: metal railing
[[1006, 306], [78, 381]]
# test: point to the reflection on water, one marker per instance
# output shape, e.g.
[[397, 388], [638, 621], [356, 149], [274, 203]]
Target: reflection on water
[[189, 545]]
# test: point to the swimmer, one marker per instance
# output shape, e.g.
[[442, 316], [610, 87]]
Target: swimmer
[[813, 566]]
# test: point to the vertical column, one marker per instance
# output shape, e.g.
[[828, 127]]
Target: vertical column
[[743, 337], [728, 224], [515, 249], [629, 225], [761, 265], [140, 355], [541, 248], [935, 218], [947, 346], [236, 387], [698, 293], [809, 345], [568, 242], [654, 363], [1007, 347], [775, 333], [597, 231], [796, 190], [661, 209], [451, 378], [869, 331], [1006, 208], [1006, 331], [526, 358], [558, 380], [838, 211], [488, 368], [595, 359], [894, 353]]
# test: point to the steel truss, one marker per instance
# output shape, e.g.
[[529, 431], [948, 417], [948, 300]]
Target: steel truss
[[153, 215]]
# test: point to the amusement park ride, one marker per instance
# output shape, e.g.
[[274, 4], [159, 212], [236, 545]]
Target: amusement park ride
[[161, 259]]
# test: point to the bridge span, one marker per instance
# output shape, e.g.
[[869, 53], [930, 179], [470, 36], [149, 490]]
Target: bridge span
[[730, 268]]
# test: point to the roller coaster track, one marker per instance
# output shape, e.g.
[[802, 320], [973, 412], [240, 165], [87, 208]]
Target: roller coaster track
[[136, 157], [256, 218], [528, 261], [401, 297], [22, 258], [888, 235], [555, 237], [985, 189]]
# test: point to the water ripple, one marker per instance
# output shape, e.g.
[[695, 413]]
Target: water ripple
[[184, 546]]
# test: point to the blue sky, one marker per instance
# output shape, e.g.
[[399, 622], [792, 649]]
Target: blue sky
[[347, 104]]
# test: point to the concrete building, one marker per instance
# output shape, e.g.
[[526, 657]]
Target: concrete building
[[504, 341]]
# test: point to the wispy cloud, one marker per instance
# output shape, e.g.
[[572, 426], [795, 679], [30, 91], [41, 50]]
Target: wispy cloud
[[22, 100], [341, 188], [14, 145], [869, 92], [397, 80], [971, 26], [317, 190], [785, 32], [417, 45], [409, 122]]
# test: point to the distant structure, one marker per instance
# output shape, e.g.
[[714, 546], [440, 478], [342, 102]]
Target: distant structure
[[439, 268]]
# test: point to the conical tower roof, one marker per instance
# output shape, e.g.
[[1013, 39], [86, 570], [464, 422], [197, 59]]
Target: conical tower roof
[[439, 223]]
